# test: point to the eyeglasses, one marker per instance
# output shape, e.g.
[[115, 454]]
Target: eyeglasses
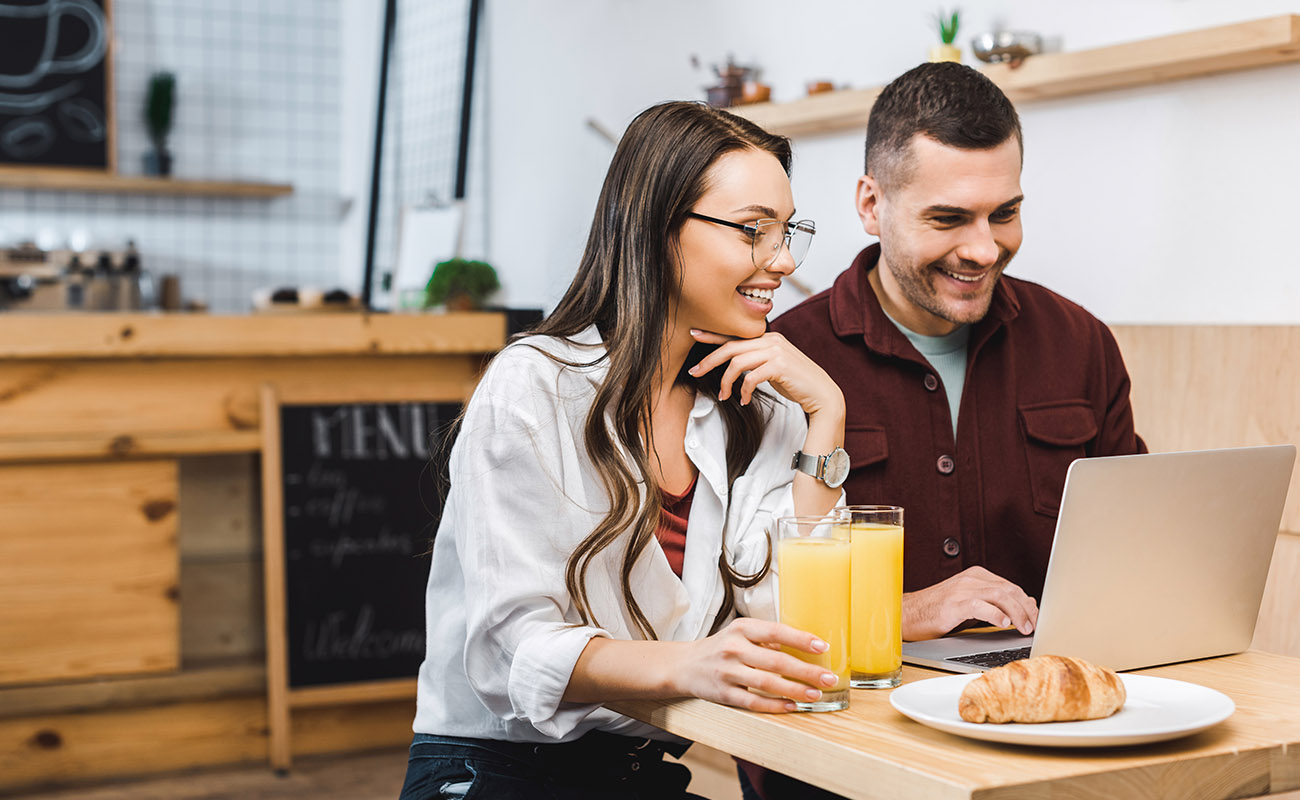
[[767, 236]]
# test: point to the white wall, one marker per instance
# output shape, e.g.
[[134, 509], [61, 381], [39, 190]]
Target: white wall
[[361, 36], [1167, 203], [421, 130]]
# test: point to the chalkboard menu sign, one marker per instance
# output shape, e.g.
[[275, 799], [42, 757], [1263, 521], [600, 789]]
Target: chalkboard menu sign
[[360, 507], [55, 86]]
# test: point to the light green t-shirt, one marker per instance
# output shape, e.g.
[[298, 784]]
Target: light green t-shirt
[[947, 354]]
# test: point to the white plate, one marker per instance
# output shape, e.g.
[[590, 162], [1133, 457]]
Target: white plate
[[1156, 709]]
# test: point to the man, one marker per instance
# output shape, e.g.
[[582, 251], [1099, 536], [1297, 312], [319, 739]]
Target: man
[[969, 392]]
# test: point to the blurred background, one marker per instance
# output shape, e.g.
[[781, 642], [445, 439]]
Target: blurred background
[[1158, 203]]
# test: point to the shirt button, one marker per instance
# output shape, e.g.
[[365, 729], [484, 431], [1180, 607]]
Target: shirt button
[[931, 383], [946, 465], [951, 547], [693, 443]]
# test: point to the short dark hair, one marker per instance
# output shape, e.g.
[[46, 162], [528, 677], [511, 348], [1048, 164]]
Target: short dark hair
[[948, 102]]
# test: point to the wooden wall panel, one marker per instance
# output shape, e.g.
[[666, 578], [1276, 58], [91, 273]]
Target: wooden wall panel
[[63, 749], [117, 401], [88, 570], [1203, 386], [713, 773], [1278, 628], [1197, 387], [192, 684], [221, 565], [220, 507], [221, 609]]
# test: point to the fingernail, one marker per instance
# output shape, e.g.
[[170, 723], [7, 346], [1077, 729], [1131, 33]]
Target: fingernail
[[695, 331], [819, 646], [1006, 621], [790, 707], [1029, 629], [813, 694], [693, 370], [829, 678]]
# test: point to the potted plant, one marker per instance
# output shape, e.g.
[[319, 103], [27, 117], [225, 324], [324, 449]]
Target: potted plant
[[159, 114], [948, 34], [460, 284]]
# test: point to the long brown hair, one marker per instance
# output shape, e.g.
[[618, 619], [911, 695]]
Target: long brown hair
[[626, 276]]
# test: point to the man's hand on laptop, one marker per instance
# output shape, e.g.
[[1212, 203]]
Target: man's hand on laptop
[[973, 593]]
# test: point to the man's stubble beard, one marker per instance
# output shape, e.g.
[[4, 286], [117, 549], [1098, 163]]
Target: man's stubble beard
[[917, 285]]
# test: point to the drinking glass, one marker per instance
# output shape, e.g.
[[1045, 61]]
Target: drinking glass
[[813, 576], [875, 535]]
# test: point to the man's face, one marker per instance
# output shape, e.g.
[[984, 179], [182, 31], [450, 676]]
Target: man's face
[[947, 230]]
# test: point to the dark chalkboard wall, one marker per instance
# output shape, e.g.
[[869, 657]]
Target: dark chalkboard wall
[[360, 509], [54, 84]]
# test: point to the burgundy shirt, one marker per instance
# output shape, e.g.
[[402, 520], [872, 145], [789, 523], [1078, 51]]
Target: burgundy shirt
[[671, 531], [1045, 384]]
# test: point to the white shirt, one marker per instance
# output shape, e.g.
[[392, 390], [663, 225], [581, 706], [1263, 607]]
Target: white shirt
[[503, 633]]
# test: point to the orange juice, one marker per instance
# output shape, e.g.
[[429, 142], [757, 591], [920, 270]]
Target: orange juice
[[876, 639], [814, 582]]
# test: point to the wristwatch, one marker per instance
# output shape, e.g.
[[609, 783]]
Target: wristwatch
[[831, 469]]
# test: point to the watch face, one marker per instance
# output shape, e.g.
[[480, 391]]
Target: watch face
[[837, 468]]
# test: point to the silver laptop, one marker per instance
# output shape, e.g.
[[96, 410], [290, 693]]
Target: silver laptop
[[1157, 558]]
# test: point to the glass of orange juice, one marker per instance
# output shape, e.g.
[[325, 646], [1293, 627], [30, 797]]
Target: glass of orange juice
[[875, 535], [813, 577]]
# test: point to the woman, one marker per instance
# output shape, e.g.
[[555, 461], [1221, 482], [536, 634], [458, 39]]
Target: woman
[[565, 574]]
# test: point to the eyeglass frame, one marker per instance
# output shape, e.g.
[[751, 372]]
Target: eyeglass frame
[[752, 230]]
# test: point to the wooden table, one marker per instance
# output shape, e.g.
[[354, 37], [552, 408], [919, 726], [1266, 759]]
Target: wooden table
[[872, 751]]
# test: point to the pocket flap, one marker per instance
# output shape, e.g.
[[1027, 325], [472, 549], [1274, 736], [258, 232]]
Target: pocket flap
[[865, 446], [1061, 424]]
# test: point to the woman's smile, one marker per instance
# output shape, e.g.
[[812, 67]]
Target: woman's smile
[[760, 297]]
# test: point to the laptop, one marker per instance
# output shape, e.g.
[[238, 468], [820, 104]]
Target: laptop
[[1157, 558]]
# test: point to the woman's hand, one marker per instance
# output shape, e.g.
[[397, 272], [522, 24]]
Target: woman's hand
[[771, 358], [745, 655], [796, 377]]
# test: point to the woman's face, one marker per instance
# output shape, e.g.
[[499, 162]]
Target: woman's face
[[721, 289]]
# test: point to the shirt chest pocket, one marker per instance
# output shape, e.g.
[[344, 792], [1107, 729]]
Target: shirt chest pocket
[[1056, 434], [866, 445]]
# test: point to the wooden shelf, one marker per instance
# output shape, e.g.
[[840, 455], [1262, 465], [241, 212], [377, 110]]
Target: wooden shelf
[[1244, 45], [107, 183]]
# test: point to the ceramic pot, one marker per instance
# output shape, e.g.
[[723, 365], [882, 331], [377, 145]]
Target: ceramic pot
[[945, 52], [158, 162]]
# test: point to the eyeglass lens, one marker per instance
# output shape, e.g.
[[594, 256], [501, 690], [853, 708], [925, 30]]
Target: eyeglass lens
[[771, 235]]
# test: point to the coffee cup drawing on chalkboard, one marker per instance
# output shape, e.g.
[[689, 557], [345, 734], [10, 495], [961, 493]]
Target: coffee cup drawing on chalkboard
[[48, 48]]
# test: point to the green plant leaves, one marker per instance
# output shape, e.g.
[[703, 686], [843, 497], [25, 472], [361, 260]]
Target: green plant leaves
[[461, 276]]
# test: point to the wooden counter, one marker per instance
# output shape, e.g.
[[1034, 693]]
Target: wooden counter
[[130, 561], [68, 336], [119, 385]]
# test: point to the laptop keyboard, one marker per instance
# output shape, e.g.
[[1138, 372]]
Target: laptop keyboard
[[994, 658]]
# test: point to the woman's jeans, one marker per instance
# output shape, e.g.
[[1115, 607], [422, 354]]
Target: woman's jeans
[[599, 766]]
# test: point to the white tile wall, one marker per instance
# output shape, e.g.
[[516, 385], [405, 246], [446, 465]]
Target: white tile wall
[[422, 124], [259, 100]]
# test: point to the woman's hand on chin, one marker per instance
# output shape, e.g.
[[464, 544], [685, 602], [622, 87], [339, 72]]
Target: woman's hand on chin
[[746, 655], [770, 358]]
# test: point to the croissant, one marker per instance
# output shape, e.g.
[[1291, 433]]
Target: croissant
[[1042, 689]]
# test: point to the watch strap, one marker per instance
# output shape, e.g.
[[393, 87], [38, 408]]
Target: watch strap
[[808, 464]]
